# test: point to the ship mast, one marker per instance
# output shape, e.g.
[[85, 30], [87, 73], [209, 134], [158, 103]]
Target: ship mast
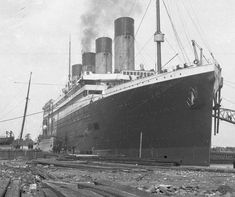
[[26, 106], [69, 76], [158, 37]]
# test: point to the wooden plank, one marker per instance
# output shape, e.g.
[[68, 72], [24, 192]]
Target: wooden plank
[[109, 191], [26, 195], [60, 189], [89, 193], [42, 173], [78, 165], [125, 188], [3, 186], [102, 192], [99, 188], [49, 193], [13, 189], [73, 187]]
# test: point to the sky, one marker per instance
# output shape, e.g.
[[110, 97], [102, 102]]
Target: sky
[[34, 38]]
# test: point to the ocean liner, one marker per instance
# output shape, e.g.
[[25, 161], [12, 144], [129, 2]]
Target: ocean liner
[[123, 112]]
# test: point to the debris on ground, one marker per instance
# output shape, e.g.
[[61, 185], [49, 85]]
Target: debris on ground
[[82, 178]]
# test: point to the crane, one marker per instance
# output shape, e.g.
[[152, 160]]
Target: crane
[[197, 61]]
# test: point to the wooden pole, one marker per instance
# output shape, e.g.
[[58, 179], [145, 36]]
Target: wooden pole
[[25, 109], [140, 148]]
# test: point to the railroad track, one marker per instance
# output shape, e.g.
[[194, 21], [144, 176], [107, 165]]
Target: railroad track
[[47, 185], [96, 189], [10, 188], [51, 188], [132, 166], [117, 165]]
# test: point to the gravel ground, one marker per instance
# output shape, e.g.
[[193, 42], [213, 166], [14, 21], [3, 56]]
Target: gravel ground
[[159, 181]]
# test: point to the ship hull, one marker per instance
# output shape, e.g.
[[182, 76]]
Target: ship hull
[[173, 117]]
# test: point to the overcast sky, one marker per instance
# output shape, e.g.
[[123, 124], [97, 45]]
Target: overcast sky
[[34, 37]]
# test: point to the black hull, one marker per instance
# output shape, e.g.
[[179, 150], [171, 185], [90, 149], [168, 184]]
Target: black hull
[[172, 129]]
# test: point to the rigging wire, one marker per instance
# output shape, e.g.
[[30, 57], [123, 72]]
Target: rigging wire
[[200, 28], [145, 53], [140, 53], [229, 85], [176, 34], [174, 50], [142, 19], [147, 59], [170, 60], [49, 84], [14, 103], [197, 27], [230, 82], [178, 39], [146, 10], [19, 117], [184, 25], [143, 59], [208, 62], [228, 100], [12, 108], [145, 44]]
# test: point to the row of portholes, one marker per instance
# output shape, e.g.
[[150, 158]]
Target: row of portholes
[[165, 77]]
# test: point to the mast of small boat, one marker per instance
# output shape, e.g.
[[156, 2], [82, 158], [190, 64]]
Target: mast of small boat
[[25, 109], [158, 37]]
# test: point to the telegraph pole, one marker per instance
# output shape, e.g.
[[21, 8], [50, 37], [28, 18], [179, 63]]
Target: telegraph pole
[[25, 109]]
